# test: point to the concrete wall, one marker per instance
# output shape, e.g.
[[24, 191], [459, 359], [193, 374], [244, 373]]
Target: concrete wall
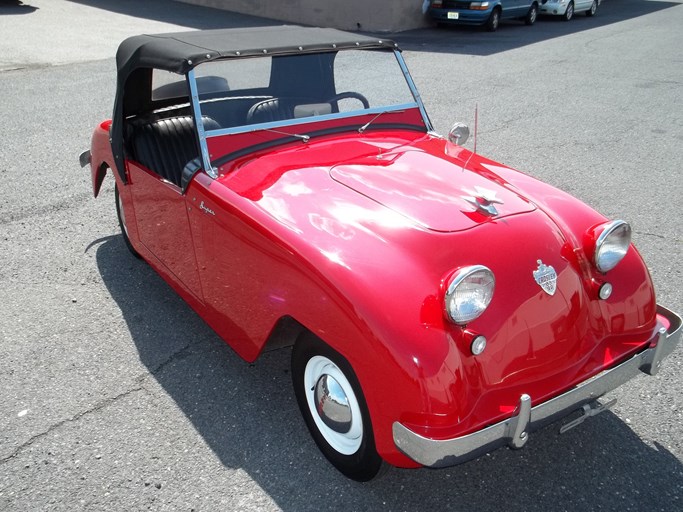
[[365, 15]]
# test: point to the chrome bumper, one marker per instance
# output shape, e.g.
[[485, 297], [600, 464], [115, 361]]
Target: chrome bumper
[[85, 158], [515, 430]]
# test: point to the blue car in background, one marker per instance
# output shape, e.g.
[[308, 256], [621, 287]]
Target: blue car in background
[[489, 14]]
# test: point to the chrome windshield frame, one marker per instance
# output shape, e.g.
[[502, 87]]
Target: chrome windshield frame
[[413, 89], [203, 134], [304, 120], [199, 123]]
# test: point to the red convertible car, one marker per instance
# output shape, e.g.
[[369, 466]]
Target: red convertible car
[[287, 180]]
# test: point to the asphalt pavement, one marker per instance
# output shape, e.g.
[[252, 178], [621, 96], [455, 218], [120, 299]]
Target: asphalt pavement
[[114, 395]]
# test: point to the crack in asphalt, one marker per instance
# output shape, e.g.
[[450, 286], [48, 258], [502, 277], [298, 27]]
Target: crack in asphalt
[[176, 356], [97, 407], [645, 233], [44, 209]]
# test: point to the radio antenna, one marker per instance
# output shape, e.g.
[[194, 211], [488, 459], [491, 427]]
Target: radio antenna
[[476, 122]]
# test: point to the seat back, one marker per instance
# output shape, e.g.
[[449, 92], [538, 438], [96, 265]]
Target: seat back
[[266, 111], [165, 146]]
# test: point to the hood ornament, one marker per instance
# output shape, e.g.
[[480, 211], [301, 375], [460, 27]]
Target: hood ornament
[[546, 277], [483, 200]]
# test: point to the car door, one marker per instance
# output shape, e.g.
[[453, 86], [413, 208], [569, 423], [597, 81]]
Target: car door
[[512, 8], [582, 5], [163, 226]]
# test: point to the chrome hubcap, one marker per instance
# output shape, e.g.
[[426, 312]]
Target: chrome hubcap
[[332, 404]]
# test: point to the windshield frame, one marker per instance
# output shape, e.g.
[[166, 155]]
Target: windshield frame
[[203, 135]]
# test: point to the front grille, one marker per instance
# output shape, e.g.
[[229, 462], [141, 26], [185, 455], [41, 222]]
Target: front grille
[[455, 4]]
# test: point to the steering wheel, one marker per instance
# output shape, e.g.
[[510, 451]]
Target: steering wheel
[[349, 94]]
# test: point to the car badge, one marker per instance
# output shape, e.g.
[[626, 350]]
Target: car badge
[[546, 277], [206, 209], [483, 200]]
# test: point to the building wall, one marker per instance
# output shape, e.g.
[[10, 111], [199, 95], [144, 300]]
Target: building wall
[[366, 15]]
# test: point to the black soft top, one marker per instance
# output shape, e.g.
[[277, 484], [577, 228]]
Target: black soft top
[[179, 52]]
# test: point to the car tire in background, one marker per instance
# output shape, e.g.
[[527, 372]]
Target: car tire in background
[[493, 21], [334, 409], [122, 222], [531, 16], [593, 9], [569, 13]]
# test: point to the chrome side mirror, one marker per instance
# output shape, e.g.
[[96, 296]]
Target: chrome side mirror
[[459, 133]]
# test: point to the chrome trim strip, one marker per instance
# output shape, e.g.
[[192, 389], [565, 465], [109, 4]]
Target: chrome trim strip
[[413, 89], [441, 453], [197, 113], [305, 120]]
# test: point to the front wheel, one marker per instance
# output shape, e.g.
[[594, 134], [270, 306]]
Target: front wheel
[[334, 409], [569, 13], [593, 9], [531, 15], [493, 21]]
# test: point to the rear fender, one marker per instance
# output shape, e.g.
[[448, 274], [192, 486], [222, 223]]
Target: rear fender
[[101, 157]]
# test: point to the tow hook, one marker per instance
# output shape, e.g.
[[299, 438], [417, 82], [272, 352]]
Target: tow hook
[[590, 409]]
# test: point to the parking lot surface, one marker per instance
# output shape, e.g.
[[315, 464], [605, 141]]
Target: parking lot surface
[[114, 395]]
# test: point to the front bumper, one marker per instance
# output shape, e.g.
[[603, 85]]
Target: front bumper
[[464, 16], [514, 431], [553, 8]]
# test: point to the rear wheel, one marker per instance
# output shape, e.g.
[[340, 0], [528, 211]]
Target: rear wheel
[[121, 214], [531, 15], [334, 409], [493, 21], [593, 9], [569, 13]]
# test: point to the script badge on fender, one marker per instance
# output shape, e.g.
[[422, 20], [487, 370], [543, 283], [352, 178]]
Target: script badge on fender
[[546, 277]]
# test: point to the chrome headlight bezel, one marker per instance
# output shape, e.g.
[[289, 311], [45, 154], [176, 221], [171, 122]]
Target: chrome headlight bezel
[[462, 310], [612, 245]]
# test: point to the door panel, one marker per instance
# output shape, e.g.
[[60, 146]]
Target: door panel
[[163, 226]]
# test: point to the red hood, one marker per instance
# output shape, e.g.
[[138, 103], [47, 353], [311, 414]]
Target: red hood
[[431, 191]]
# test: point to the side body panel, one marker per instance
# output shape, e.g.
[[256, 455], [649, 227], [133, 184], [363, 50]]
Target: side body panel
[[163, 226]]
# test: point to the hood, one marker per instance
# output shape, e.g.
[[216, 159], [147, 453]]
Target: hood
[[430, 190], [412, 178]]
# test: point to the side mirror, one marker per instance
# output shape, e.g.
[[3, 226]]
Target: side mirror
[[459, 133]]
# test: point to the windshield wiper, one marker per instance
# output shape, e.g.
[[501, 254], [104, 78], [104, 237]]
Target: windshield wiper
[[304, 138], [365, 126]]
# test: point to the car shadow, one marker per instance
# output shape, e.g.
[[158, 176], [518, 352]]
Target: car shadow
[[179, 13], [468, 40], [247, 415], [16, 7]]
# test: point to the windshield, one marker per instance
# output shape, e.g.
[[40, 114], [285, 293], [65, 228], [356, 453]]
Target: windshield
[[241, 95]]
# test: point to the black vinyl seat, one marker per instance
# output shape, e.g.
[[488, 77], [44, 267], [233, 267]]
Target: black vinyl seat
[[165, 146], [272, 109]]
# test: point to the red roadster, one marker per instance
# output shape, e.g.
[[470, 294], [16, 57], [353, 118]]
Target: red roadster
[[440, 305]]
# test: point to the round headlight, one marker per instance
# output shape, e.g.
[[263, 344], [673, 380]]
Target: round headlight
[[469, 293], [612, 245]]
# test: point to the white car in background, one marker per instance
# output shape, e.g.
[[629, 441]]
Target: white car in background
[[567, 8]]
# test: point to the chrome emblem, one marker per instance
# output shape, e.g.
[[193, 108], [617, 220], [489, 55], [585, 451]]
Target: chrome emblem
[[546, 277], [206, 209], [483, 200]]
